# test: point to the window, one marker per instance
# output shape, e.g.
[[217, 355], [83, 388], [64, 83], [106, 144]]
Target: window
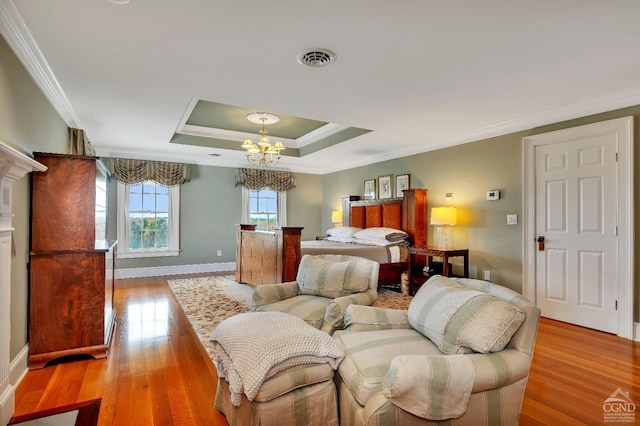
[[148, 220], [264, 208]]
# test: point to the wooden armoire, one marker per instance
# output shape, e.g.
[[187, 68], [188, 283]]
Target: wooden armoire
[[71, 308]]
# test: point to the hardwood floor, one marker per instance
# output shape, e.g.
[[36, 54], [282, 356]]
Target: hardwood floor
[[158, 374]]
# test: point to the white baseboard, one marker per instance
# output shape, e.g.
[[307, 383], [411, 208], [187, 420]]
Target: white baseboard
[[636, 331], [174, 270], [19, 367]]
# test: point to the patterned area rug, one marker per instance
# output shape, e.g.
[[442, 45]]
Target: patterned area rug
[[206, 301]]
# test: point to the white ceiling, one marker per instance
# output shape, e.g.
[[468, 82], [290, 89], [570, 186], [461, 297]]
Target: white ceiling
[[421, 74]]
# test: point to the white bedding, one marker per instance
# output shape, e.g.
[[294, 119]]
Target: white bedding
[[380, 254]]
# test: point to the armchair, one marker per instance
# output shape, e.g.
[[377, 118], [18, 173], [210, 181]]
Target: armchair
[[461, 354], [325, 286]]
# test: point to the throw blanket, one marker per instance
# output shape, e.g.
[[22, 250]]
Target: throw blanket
[[252, 347]]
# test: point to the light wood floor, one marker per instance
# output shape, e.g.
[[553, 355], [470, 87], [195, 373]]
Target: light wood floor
[[158, 374]]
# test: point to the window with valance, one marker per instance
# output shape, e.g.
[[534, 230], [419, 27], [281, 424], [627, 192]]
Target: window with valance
[[277, 180], [256, 184], [132, 172]]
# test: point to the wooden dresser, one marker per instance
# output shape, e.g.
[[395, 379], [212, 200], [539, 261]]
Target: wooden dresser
[[267, 257], [71, 268]]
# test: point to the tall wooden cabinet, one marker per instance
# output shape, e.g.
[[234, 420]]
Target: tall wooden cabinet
[[71, 282]]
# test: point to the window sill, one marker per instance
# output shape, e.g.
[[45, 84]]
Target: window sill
[[139, 254]]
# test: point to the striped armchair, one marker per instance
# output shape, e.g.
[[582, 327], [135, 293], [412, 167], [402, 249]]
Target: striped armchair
[[460, 355], [325, 286]]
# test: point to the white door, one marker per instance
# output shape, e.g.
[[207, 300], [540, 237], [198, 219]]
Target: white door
[[576, 229]]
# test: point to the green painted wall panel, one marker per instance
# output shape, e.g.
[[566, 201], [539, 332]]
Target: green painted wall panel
[[28, 123]]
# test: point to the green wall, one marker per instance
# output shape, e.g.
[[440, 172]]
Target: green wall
[[469, 171], [28, 123], [210, 209]]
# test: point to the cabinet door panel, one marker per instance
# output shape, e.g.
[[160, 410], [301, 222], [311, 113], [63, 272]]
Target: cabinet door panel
[[67, 301]]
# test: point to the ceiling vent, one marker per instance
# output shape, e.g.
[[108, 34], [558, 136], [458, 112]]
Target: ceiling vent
[[316, 58]]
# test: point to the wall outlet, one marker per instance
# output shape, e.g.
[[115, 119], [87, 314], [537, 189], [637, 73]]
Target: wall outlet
[[486, 275], [219, 252]]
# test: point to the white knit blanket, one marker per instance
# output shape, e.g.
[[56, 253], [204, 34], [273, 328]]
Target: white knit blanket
[[252, 347]]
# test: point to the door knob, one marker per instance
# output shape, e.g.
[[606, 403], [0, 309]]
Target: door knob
[[540, 241]]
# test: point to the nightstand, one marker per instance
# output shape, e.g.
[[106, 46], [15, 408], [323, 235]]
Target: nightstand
[[416, 264]]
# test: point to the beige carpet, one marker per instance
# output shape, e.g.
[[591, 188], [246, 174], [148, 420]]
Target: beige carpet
[[206, 301]]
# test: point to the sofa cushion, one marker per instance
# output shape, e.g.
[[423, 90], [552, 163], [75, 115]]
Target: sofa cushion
[[368, 355], [309, 308], [293, 378], [326, 278], [460, 320]]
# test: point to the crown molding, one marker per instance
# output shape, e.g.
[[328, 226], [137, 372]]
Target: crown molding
[[232, 135], [17, 35], [320, 133]]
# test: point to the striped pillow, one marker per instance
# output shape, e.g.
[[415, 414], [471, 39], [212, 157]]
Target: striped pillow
[[460, 320]]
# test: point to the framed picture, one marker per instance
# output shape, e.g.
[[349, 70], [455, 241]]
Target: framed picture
[[402, 183], [370, 189], [384, 187]]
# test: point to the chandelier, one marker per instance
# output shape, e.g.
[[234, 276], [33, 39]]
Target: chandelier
[[263, 153]]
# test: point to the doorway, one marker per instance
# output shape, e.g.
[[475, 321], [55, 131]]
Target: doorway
[[578, 225]]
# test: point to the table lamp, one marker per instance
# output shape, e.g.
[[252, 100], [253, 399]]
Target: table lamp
[[336, 217], [444, 218]]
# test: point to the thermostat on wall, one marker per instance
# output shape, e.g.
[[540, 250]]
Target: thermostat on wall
[[493, 195]]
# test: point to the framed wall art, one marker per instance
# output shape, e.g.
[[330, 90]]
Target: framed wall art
[[402, 183], [370, 189], [384, 187]]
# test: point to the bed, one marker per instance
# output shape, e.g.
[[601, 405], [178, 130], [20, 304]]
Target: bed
[[273, 257], [407, 214]]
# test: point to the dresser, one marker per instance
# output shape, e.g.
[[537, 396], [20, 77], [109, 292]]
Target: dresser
[[71, 308]]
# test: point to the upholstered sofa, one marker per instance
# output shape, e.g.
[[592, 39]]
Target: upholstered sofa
[[461, 355], [325, 286]]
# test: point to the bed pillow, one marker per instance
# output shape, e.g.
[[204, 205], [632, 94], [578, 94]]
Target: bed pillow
[[343, 231], [461, 320], [382, 233]]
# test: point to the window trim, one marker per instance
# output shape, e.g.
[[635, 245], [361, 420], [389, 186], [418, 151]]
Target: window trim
[[282, 207], [173, 237]]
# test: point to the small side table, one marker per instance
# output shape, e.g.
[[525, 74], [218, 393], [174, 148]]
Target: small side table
[[430, 252]]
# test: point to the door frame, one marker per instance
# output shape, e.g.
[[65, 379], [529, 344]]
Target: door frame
[[625, 286]]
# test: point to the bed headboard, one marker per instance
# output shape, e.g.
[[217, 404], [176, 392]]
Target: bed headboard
[[408, 213]]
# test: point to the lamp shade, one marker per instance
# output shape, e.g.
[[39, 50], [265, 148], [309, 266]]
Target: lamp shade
[[443, 216], [336, 216]]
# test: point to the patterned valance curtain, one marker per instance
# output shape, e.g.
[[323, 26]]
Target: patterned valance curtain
[[280, 181], [79, 144], [136, 171]]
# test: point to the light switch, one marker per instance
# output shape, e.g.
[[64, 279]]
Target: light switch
[[512, 219]]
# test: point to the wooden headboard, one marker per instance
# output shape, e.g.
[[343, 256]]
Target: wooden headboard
[[408, 213]]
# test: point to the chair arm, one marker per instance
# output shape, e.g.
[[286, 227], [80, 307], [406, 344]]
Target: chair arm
[[334, 315], [436, 387], [499, 369], [270, 293], [365, 318]]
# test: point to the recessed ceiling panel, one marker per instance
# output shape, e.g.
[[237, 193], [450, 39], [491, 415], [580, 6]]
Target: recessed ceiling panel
[[229, 117]]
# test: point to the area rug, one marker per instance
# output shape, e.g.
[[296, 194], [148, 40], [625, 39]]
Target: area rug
[[207, 301]]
